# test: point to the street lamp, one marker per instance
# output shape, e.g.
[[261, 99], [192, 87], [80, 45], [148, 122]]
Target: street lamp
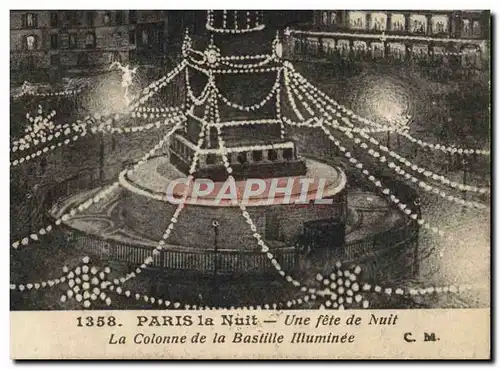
[[215, 226], [401, 125]]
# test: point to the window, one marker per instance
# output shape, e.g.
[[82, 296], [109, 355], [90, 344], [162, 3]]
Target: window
[[54, 19], [357, 20], [90, 19], [333, 18], [72, 41], [71, 17], [30, 20], [466, 27], [145, 37], [398, 22], [418, 23], [288, 154], [107, 19], [476, 29], [30, 62], [83, 59], [54, 41], [30, 42], [325, 18], [119, 17], [90, 41], [257, 156], [132, 16], [242, 157], [439, 24], [55, 59], [131, 37], [378, 22], [272, 155], [131, 55], [211, 159]]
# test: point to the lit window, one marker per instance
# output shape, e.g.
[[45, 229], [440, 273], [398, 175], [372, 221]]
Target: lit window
[[30, 42], [398, 22], [357, 20], [325, 18], [30, 20], [418, 23], [466, 27], [439, 24], [333, 18], [476, 28], [378, 21]]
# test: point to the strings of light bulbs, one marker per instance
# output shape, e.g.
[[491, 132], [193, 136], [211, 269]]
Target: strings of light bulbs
[[427, 173], [401, 172], [300, 80]]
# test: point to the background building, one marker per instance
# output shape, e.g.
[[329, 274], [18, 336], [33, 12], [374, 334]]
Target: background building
[[453, 24], [46, 43], [453, 38]]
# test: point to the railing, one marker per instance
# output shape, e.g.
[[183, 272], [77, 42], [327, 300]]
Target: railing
[[184, 259]]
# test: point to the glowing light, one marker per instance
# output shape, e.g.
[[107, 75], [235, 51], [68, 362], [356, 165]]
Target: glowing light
[[127, 78]]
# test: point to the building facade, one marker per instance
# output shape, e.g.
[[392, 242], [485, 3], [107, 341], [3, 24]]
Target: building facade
[[452, 37], [443, 24], [45, 42]]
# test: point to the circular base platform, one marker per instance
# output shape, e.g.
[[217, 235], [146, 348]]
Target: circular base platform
[[147, 208], [102, 231]]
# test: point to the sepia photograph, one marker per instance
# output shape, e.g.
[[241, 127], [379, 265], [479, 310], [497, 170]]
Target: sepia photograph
[[250, 160]]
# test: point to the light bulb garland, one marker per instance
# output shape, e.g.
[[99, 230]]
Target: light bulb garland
[[154, 109], [294, 82], [81, 131], [407, 176], [299, 81], [260, 241], [203, 95], [382, 35], [428, 188], [35, 236], [291, 99], [173, 220], [256, 106], [268, 59], [236, 30], [154, 87], [101, 195], [414, 167], [88, 284]]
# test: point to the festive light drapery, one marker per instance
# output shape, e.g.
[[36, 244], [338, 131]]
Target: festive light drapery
[[342, 287]]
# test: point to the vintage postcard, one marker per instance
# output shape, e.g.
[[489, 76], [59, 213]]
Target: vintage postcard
[[247, 184]]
